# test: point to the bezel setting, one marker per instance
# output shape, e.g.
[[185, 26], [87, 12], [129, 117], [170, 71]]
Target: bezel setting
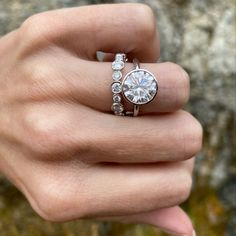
[[118, 108], [116, 98], [117, 75], [118, 65], [139, 87], [116, 87]]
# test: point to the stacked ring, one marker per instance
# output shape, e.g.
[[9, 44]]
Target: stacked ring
[[138, 87], [116, 87]]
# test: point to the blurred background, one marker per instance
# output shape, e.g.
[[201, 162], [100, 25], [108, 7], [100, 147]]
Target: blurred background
[[200, 35]]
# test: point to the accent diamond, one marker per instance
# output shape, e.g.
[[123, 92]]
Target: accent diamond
[[139, 87], [116, 87], [117, 98], [117, 107], [116, 75], [118, 65], [120, 57]]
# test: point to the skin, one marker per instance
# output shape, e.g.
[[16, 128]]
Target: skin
[[59, 143]]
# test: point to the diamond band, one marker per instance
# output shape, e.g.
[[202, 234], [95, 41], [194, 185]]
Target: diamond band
[[116, 88]]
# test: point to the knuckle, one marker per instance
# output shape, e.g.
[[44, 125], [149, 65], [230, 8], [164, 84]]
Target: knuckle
[[181, 73], [181, 85], [36, 30], [31, 27], [192, 138], [37, 71], [50, 133], [48, 208], [179, 190], [173, 67], [55, 204], [185, 85], [42, 132], [37, 74], [184, 189], [143, 21], [183, 88], [148, 22]]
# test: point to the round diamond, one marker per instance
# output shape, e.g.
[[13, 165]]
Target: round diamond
[[139, 87], [120, 56], [117, 108], [116, 87], [118, 65], [117, 98], [117, 75]]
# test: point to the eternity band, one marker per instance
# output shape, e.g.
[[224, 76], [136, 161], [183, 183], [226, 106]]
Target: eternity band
[[117, 65]]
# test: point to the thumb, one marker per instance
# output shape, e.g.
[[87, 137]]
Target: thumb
[[173, 220]]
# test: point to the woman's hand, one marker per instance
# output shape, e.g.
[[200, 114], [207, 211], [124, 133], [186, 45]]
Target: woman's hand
[[60, 145]]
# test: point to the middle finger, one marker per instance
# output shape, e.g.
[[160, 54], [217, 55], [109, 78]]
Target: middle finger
[[97, 137]]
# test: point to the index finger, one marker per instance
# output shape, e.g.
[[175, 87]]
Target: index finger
[[128, 28]]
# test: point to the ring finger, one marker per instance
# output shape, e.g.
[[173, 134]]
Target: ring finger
[[89, 83], [173, 86]]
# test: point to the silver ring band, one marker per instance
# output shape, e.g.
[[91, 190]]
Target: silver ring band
[[136, 67]]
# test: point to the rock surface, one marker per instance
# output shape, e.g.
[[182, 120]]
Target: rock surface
[[200, 35]]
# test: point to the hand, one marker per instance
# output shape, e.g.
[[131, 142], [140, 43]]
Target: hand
[[60, 145]]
